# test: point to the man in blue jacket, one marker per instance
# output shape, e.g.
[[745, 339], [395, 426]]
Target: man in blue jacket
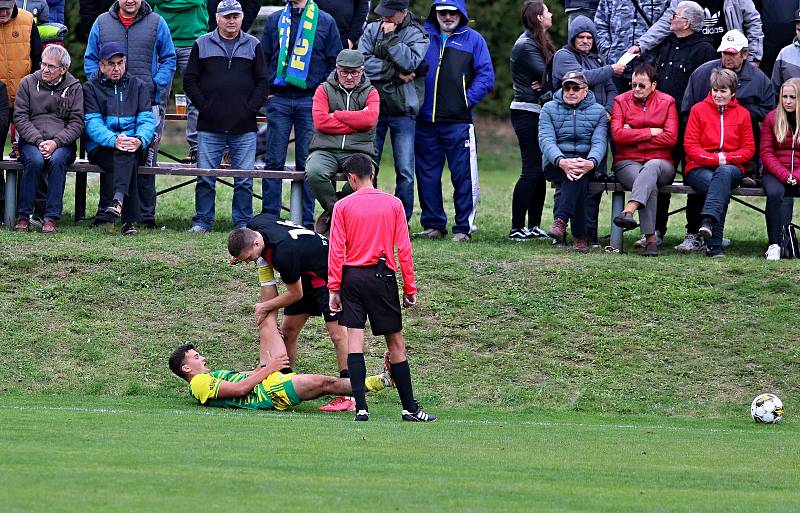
[[460, 74], [150, 53], [119, 126], [301, 43]]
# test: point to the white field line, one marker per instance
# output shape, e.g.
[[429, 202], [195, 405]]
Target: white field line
[[328, 418]]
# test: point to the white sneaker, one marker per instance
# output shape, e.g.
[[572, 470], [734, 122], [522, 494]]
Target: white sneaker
[[536, 233], [773, 253], [692, 243]]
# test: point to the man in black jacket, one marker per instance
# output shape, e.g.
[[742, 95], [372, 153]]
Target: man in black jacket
[[350, 16], [226, 79]]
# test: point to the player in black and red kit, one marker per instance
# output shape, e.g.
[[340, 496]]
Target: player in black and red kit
[[301, 258]]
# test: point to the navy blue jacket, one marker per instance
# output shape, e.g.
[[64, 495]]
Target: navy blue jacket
[[327, 45], [460, 71]]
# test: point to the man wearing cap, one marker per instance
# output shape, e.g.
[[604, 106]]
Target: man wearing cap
[[394, 49], [150, 58], [226, 79], [754, 92], [345, 112], [301, 43], [460, 74], [119, 126], [787, 65]]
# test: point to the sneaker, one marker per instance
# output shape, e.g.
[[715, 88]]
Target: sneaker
[[580, 245], [417, 416], [361, 416], [642, 243], [129, 229], [461, 237], [558, 230], [49, 226], [705, 231], [115, 209], [339, 403], [196, 228], [519, 235], [36, 220], [323, 224], [625, 221], [536, 233], [430, 233], [715, 252], [726, 242], [692, 243], [23, 225], [773, 253]]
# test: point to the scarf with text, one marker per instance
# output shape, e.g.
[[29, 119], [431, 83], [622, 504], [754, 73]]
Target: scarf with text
[[293, 69]]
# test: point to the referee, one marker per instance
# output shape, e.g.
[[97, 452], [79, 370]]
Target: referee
[[365, 229]]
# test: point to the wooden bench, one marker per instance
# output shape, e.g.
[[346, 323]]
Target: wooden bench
[[13, 168], [618, 191]]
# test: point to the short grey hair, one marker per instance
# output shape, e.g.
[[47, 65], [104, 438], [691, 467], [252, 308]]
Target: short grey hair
[[58, 53], [693, 13]]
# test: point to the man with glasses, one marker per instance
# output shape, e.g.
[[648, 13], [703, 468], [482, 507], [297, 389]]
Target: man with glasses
[[345, 112], [460, 74]]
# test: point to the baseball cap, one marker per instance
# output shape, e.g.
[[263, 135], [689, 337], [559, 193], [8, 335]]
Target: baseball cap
[[350, 59], [733, 41], [7, 4], [228, 7], [389, 7], [796, 16], [108, 50], [574, 77]]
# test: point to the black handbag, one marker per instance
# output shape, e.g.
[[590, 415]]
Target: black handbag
[[789, 245]]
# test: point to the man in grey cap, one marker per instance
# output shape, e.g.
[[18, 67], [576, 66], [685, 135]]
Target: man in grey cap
[[394, 50], [345, 111]]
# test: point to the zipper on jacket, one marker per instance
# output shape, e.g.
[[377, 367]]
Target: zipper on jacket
[[436, 80], [346, 107], [721, 127]]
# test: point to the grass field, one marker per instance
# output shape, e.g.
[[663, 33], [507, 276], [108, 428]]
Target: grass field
[[563, 382]]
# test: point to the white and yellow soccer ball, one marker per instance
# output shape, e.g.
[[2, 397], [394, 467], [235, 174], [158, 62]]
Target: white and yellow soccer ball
[[767, 409]]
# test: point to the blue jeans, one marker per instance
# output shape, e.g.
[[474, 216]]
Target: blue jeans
[[283, 112], [210, 147], [56, 169], [716, 184], [403, 128]]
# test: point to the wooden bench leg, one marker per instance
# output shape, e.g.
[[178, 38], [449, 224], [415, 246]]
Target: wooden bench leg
[[296, 202], [80, 196], [11, 198], [617, 206]]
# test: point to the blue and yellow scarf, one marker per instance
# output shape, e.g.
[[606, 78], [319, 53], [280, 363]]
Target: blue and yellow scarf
[[293, 69]]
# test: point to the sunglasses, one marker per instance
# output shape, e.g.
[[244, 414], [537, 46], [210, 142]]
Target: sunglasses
[[636, 85], [572, 88], [679, 17], [447, 14]]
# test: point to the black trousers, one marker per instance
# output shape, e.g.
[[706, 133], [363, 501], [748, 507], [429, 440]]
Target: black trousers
[[120, 175], [531, 188], [573, 201], [775, 212]]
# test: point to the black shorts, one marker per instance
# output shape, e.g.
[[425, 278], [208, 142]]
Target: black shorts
[[314, 303], [365, 295]]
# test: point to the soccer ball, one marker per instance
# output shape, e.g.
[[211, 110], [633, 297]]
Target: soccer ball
[[767, 409]]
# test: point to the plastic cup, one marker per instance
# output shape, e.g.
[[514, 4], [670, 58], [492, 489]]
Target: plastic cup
[[180, 104]]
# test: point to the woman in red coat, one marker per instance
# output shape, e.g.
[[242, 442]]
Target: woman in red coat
[[718, 143], [780, 153], [644, 124]]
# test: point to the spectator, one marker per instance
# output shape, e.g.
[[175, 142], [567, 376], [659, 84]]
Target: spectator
[[682, 52], [719, 142], [89, 11], [619, 25], [529, 58], [787, 64], [5, 120], [38, 8], [350, 17], [345, 111], [250, 9], [754, 92], [777, 22], [581, 53], [362, 278], [721, 16], [226, 80], [781, 158], [293, 78], [573, 135], [460, 75], [575, 8], [645, 127], [394, 50], [150, 57], [49, 119], [187, 20], [119, 126], [56, 8]]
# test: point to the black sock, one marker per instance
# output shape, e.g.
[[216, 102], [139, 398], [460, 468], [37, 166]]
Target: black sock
[[344, 373], [358, 373], [401, 373]]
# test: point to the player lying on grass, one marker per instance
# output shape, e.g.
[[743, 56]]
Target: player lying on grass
[[273, 386]]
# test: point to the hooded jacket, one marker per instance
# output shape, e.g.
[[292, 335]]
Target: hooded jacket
[[44, 112], [386, 56], [460, 71], [594, 66], [713, 129], [345, 120], [147, 42], [739, 14], [636, 142], [677, 58], [567, 131], [619, 24], [781, 160]]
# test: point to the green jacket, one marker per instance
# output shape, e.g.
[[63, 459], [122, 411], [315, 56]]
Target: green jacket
[[187, 19]]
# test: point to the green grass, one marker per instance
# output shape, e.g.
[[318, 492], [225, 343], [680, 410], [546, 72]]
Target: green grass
[[536, 359]]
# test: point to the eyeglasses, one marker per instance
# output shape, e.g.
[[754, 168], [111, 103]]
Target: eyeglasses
[[572, 88], [679, 17], [349, 73], [49, 67], [115, 64], [447, 14], [636, 85]]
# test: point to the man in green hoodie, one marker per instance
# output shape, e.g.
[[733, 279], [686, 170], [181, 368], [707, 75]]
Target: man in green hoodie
[[187, 20]]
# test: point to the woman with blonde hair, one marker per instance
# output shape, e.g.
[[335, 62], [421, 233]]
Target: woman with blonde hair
[[780, 153]]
